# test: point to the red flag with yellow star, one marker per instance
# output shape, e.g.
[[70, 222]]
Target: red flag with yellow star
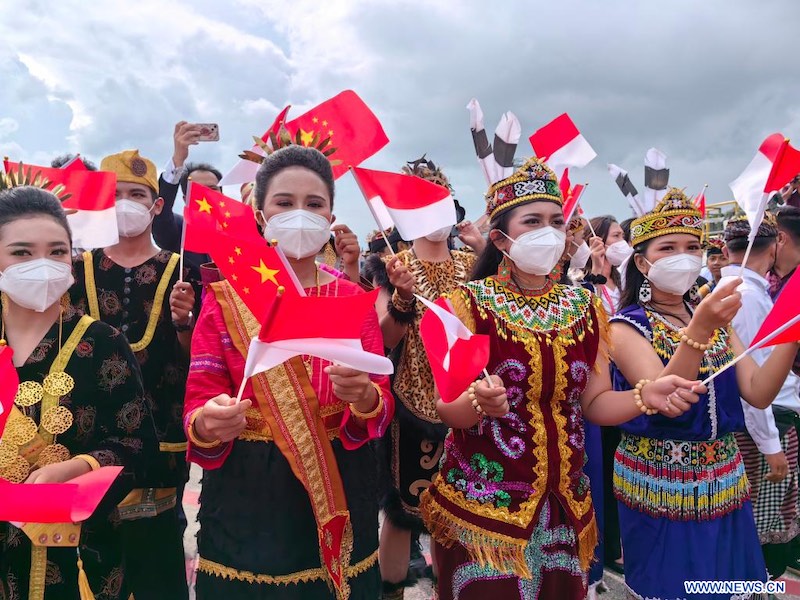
[[254, 269], [209, 210]]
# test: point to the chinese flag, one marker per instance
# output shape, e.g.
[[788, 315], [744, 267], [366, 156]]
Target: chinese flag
[[353, 128], [209, 210], [9, 382], [254, 269]]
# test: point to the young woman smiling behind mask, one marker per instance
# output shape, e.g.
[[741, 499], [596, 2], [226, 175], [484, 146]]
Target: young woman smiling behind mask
[[94, 414]]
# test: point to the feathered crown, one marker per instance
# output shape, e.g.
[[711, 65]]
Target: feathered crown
[[533, 181], [427, 169], [28, 176], [283, 138], [675, 213]]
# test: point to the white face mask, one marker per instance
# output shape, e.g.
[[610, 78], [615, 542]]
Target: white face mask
[[537, 252], [300, 233], [439, 235], [675, 274], [132, 217], [580, 257], [37, 284], [618, 252]]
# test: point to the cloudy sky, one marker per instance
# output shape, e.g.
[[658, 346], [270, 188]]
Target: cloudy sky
[[703, 81]]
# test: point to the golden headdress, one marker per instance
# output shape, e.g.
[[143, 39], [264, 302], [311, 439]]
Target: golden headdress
[[675, 213], [533, 181], [283, 138], [30, 176]]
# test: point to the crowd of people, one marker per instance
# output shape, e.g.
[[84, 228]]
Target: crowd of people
[[590, 444]]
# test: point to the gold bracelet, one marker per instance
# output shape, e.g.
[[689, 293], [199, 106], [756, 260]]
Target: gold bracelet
[[192, 434], [690, 342], [637, 397], [474, 399], [90, 460], [375, 411], [401, 304]]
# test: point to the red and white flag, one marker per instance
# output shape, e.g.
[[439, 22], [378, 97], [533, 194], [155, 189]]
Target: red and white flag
[[9, 382], [456, 355], [572, 200], [415, 206], [749, 189], [245, 170], [298, 325], [70, 502], [783, 318], [91, 195], [700, 201], [561, 145]]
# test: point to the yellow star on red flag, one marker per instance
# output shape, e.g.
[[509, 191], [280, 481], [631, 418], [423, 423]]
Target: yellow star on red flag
[[204, 205], [266, 273]]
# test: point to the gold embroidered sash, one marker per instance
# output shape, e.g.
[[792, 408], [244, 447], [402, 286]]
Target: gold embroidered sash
[[290, 406], [158, 300]]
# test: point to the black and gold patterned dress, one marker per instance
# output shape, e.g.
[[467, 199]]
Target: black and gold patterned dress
[[105, 416]]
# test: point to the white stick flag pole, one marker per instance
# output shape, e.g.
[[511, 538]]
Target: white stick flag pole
[[183, 231], [374, 214]]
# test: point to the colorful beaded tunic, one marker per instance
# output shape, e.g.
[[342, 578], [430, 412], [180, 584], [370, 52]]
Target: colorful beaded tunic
[[493, 484]]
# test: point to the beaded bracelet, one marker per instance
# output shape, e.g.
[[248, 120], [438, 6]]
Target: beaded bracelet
[[474, 399], [690, 342], [637, 397], [375, 411], [192, 434]]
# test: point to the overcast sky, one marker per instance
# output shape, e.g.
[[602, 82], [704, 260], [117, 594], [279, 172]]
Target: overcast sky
[[703, 81]]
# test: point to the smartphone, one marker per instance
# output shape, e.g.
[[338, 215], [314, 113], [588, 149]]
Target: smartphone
[[209, 132]]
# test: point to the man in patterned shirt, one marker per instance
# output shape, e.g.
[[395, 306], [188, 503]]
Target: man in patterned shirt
[[137, 288]]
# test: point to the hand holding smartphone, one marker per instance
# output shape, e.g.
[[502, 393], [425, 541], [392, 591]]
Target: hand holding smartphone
[[209, 132]]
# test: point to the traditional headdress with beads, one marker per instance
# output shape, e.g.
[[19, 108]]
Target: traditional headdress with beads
[[714, 246], [533, 181], [739, 227], [675, 213]]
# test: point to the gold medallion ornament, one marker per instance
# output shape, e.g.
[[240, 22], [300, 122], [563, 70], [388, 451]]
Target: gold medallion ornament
[[58, 383], [52, 454], [8, 454], [57, 420], [20, 431], [17, 472], [29, 393]]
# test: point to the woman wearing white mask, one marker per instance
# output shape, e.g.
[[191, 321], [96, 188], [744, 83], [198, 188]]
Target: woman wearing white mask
[[684, 505], [281, 463], [609, 253], [80, 405], [510, 511]]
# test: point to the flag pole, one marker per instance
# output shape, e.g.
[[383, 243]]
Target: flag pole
[[751, 238], [183, 231], [372, 210], [754, 347]]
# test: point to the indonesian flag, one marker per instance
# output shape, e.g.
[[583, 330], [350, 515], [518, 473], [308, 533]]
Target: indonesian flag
[[700, 201], [784, 318], [352, 127], [656, 177], [415, 206], [785, 168], [70, 502], [207, 209], [328, 327], [255, 270], [750, 188], [561, 145], [9, 382], [74, 164], [456, 355], [627, 188], [90, 193]]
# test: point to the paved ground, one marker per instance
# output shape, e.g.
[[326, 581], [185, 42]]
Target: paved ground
[[423, 590]]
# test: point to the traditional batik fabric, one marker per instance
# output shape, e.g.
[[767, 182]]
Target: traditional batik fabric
[[415, 443], [681, 481], [112, 423], [495, 481]]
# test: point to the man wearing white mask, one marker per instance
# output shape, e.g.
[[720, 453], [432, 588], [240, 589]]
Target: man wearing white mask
[[138, 289]]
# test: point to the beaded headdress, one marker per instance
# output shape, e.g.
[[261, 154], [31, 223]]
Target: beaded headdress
[[714, 245], [533, 181], [739, 227], [675, 213]]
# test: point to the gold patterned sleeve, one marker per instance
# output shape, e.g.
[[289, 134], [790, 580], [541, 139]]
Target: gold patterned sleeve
[[460, 300]]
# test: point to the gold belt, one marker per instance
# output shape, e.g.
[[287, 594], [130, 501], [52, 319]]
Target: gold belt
[[144, 503]]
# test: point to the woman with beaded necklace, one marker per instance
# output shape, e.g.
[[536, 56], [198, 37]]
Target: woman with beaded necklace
[[684, 505], [80, 405], [510, 511]]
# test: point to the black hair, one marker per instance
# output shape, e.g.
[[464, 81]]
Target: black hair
[[634, 279], [190, 168], [739, 244], [788, 218], [62, 159], [626, 228], [491, 257], [602, 225], [28, 201], [292, 156]]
